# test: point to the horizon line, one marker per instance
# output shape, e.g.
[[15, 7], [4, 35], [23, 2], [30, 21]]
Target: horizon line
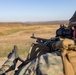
[[29, 21]]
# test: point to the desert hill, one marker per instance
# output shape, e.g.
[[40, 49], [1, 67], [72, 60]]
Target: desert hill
[[34, 23]]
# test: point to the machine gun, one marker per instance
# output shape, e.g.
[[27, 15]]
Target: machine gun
[[62, 32]]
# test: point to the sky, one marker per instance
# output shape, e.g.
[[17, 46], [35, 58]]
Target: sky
[[36, 10]]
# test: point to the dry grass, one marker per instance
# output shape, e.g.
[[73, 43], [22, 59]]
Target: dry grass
[[20, 35]]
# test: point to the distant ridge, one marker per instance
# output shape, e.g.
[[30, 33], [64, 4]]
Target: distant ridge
[[48, 22], [35, 23]]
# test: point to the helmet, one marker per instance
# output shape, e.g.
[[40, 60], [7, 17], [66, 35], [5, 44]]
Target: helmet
[[72, 21]]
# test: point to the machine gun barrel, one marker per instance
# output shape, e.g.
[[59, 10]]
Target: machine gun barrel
[[39, 40]]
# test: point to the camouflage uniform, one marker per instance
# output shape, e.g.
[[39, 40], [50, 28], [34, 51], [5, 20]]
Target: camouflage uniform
[[8, 68], [46, 64]]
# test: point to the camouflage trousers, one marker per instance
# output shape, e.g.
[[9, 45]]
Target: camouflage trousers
[[46, 64]]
